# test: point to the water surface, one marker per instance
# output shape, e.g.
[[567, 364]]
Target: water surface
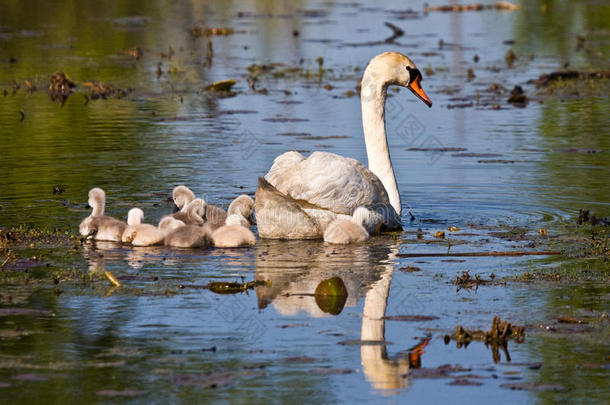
[[152, 339]]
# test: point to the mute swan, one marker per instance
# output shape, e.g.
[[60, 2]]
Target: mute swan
[[237, 219], [243, 205], [189, 236], [103, 227], [182, 195], [300, 196], [191, 214], [169, 224], [139, 234], [214, 216], [344, 231], [236, 231], [229, 236]]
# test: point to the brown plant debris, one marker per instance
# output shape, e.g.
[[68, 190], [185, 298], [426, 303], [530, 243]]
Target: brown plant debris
[[439, 235], [60, 86], [497, 337], [221, 86], [29, 85], [466, 281], [500, 6], [517, 97], [481, 254], [585, 217], [550, 78], [213, 31], [104, 90], [510, 57], [411, 318], [135, 53], [409, 269], [500, 333], [569, 319]]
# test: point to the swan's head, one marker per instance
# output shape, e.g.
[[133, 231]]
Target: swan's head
[[135, 216], [97, 200], [394, 68], [182, 196]]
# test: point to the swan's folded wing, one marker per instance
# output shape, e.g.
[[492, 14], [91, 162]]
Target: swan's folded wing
[[279, 217], [328, 181]]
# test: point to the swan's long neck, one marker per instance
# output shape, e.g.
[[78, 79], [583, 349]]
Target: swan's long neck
[[373, 95], [98, 206]]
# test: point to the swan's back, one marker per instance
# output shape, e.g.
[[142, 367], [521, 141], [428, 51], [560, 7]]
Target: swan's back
[[326, 181]]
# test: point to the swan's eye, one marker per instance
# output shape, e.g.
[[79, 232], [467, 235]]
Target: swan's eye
[[414, 74]]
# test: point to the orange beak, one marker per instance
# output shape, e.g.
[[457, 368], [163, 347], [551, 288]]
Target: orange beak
[[415, 87]]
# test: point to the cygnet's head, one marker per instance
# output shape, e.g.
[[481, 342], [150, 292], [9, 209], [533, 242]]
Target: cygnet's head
[[361, 215], [97, 200], [169, 223], [392, 68], [135, 216], [243, 205], [182, 196], [371, 220], [196, 210], [237, 219]]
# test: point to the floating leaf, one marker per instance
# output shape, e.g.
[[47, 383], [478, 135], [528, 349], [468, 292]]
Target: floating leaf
[[440, 235], [223, 287], [331, 295], [112, 278], [223, 85]]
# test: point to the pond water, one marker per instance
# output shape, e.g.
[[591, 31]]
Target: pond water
[[466, 162]]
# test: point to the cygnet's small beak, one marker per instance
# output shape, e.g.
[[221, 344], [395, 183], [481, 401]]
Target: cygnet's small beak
[[176, 208], [415, 87]]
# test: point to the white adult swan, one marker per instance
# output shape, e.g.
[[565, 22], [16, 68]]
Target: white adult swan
[[300, 196]]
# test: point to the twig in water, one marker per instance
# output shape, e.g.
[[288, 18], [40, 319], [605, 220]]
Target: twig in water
[[478, 254]]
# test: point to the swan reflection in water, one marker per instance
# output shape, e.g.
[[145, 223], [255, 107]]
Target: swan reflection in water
[[297, 268], [99, 253]]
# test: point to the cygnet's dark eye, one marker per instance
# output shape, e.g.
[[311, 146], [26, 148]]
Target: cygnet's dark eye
[[413, 74]]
